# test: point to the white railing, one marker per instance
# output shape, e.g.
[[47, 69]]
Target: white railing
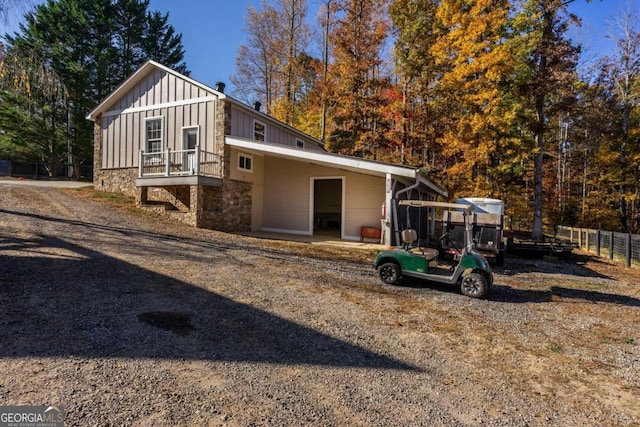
[[179, 163]]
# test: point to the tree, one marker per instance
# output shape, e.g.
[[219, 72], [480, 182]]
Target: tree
[[474, 64], [545, 78], [161, 43], [620, 74], [356, 77], [91, 46], [271, 65], [414, 106]]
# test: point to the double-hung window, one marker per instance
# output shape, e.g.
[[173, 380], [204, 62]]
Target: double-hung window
[[153, 134]]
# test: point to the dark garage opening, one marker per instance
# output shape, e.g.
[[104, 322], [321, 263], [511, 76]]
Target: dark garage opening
[[327, 207]]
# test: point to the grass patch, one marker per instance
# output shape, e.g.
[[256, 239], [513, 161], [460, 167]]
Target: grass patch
[[556, 348]]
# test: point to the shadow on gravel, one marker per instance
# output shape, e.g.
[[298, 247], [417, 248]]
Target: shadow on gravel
[[58, 299], [171, 242], [574, 265], [500, 293]]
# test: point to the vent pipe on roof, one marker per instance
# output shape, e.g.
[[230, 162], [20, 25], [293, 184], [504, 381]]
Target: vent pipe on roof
[[220, 87], [257, 105]]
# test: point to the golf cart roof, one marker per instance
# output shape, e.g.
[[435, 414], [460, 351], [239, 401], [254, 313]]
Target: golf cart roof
[[431, 204]]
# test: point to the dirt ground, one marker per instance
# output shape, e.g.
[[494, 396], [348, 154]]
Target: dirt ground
[[123, 318]]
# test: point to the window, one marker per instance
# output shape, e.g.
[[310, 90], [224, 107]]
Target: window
[[245, 162], [259, 131], [189, 138], [153, 134], [299, 143]]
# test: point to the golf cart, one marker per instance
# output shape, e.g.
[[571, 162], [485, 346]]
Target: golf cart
[[469, 268]]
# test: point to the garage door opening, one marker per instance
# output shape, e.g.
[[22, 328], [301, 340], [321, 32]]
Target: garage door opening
[[327, 207]]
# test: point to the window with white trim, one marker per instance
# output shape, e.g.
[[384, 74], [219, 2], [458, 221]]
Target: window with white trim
[[259, 131], [153, 134], [190, 137], [245, 162], [299, 143]]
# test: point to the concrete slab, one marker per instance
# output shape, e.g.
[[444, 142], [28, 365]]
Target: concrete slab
[[314, 240]]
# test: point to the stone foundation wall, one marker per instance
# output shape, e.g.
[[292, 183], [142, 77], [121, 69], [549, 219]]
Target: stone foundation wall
[[226, 208], [116, 180]]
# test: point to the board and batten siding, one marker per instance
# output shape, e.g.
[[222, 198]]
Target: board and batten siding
[[182, 104], [276, 132], [287, 201]]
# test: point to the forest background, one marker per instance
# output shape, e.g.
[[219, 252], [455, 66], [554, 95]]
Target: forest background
[[484, 96]]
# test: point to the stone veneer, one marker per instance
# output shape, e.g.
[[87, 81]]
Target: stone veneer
[[116, 180]]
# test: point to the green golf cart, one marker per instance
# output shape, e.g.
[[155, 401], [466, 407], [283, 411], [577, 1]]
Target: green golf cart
[[470, 270]]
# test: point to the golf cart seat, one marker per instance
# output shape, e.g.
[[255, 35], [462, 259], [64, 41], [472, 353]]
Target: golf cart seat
[[410, 236]]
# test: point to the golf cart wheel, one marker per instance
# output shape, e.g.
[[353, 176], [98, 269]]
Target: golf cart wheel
[[390, 273], [474, 285]]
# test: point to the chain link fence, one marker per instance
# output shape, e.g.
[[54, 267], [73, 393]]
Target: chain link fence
[[623, 247]]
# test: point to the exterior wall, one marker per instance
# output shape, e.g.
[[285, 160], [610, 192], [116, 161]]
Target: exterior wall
[[230, 207], [287, 197], [277, 133], [256, 178], [180, 103], [116, 180], [245, 201], [363, 203]]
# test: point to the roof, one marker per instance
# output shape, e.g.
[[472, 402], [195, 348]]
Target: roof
[[150, 65], [354, 164]]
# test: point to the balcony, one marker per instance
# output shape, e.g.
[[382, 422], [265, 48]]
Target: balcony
[[179, 167]]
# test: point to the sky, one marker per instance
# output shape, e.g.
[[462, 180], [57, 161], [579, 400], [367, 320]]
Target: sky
[[213, 30]]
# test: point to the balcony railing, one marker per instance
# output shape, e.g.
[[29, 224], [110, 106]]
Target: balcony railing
[[176, 163]]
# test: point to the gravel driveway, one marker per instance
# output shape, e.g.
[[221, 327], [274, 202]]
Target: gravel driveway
[[127, 319]]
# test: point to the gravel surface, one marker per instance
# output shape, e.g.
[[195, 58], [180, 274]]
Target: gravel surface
[[128, 319]]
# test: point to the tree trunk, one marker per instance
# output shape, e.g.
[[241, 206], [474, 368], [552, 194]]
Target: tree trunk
[[536, 233]]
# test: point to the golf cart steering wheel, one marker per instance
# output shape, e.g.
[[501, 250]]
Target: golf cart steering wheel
[[446, 236]]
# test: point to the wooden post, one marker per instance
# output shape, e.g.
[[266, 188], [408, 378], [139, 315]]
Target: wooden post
[[197, 160], [140, 163], [580, 238], [597, 242], [628, 250], [168, 163]]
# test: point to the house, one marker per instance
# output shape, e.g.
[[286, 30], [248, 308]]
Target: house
[[192, 152]]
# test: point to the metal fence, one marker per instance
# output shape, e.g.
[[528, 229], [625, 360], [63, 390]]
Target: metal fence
[[623, 247], [48, 170]]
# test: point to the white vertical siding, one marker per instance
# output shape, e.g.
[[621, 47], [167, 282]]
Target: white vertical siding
[[123, 134], [277, 133]]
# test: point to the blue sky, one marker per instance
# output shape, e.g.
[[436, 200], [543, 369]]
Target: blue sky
[[212, 30]]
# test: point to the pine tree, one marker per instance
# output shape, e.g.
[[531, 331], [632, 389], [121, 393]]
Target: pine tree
[[91, 46]]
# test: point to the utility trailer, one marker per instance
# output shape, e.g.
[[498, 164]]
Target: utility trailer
[[487, 220], [531, 248]]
